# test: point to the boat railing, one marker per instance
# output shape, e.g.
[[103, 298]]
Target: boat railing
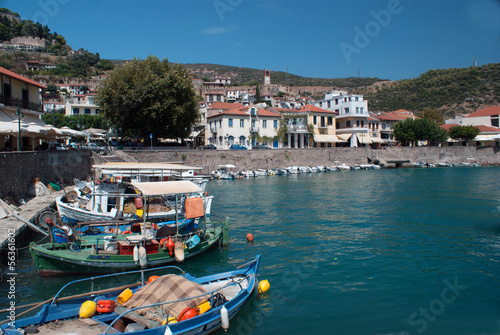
[[211, 294], [92, 279]]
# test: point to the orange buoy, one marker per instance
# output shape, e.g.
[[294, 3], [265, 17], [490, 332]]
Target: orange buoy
[[162, 242], [250, 237], [152, 278], [127, 232], [170, 245], [187, 313]]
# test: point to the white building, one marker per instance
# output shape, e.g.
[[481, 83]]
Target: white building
[[352, 116], [246, 126], [488, 116], [82, 104]]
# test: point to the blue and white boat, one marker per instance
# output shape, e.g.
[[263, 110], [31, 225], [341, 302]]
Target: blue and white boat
[[221, 295]]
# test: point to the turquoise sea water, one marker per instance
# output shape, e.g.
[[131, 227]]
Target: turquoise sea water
[[408, 251]]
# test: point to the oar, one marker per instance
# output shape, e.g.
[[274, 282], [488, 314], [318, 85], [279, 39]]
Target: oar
[[38, 304]]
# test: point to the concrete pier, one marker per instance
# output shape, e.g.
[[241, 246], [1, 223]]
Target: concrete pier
[[11, 226]]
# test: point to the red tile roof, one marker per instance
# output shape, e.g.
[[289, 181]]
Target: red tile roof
[[14, 75], [482, 128], [312, 108], [488, 111], [225, 105], [234, 111], [265, 112]]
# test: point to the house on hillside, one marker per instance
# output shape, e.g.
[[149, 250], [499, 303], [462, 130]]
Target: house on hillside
[[24, 95], [382, 125], [246, 126], [82, 104]]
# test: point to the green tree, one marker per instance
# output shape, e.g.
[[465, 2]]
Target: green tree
[[150, 96], [410, 131], [464, 133], [257, 94], [432, 115], [105, 65]]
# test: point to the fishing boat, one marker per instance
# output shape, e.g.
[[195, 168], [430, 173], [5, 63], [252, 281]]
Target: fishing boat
[[225, 172], [127, 201], [130, 252], [169, 304]]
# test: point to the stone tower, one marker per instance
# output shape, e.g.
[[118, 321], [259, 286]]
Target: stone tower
[[267, 77]]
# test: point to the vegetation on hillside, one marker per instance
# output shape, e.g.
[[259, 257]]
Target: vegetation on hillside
[[246, 76], [452, 91]]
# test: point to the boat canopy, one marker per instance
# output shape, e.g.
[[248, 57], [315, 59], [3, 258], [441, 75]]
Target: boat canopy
[[227, 166], [167, 187], [144, 166]]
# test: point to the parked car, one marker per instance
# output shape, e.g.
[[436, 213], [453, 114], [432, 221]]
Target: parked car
[[209, 146], [93, 147], [237, 147], [261, 146], [56, 146]]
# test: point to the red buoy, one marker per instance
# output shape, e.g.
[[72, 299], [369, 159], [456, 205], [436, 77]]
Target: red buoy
[[162, 242], [250, 237], [170, 245]]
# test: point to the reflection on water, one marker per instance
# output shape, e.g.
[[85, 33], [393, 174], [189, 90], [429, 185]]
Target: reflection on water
[[356, 252]]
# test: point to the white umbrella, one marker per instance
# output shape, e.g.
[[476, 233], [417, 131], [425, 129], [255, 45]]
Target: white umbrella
[[72, 132]]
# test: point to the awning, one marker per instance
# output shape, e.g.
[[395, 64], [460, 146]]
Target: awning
[[144, 166], [483, 138], [377, 140], [344, 137], [327, 139], [167, 187], [364, 138], [27, 118]]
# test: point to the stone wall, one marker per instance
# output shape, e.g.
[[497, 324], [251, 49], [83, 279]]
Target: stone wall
[[279, 158], [19, 169]]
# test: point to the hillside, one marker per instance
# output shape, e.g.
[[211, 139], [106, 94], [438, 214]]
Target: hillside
[[452, 91], [246, 76]]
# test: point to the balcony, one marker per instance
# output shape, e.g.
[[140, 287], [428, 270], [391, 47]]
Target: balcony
[[254, 129], [14, 102], [213, 130]]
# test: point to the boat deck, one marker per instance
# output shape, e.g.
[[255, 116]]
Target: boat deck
[[73, 327]]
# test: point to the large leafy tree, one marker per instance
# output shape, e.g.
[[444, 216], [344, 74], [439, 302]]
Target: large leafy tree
[[410, 131], [150, 96], [464, 133]]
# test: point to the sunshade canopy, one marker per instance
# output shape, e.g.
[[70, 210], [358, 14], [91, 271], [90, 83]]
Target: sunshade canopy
[[167, 187]]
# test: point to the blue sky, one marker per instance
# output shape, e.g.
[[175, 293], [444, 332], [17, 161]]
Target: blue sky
[[391, 39]]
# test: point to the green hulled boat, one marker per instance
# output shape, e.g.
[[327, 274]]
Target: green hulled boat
[[56, 259]]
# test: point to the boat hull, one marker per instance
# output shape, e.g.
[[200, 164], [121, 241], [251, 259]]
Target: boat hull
[[56, 259]]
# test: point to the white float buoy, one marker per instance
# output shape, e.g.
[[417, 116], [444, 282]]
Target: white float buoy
[[224, 318], [136, 254], [179, 251], [167, 331], [143, 258]]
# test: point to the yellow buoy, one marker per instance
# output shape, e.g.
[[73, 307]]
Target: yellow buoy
[[88, 309], [264, 286], [203, 307], [169, 320], [124, 296]]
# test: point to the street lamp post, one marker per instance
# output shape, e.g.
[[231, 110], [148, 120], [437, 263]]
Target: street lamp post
[[19, 114]]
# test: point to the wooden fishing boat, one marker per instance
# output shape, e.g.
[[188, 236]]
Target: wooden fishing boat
[[155, 200], [131, 252], [211, 301]]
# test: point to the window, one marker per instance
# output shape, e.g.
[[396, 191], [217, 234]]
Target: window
[[253, 123], [320, 104], [337, 125], [275, 124], [346, 110], [252, 111], [315, 121], [264, 123], [329, 104], [76, 111], [357, 123], [230, 123], [336, 101], [357, 110], [330, 120], [348, 123], [494, 121], [220, 123], [242, 140], [242, 123], [361, 110], [322, 121], [87, 110], [362, 123]]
